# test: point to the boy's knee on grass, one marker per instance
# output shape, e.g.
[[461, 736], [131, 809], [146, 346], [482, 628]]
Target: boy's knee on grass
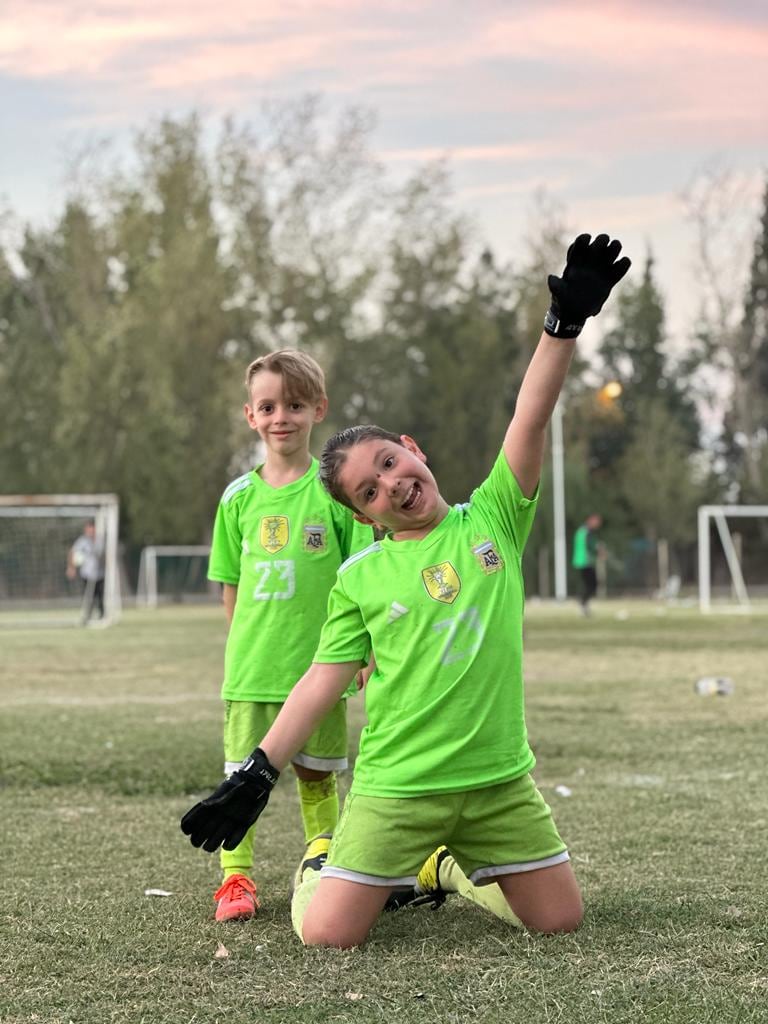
[[554, 920], [340, 913], [547, 900]]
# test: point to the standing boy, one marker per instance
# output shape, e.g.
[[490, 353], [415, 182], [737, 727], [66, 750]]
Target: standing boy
[[277, 543], [86, 560], [584, 559], [445, 755]]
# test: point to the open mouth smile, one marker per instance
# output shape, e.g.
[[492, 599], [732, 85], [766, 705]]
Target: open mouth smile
[[411, 497]]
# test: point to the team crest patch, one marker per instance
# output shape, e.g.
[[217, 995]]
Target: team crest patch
[[488, 557], [442, 582], [274, 532], [315, 537]]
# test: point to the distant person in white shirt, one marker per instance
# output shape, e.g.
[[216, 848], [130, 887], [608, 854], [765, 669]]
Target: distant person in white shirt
[[86, 560]]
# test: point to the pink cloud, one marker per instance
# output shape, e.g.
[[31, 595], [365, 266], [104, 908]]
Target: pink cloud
[[495, 153], [622, 36], [664, 73]]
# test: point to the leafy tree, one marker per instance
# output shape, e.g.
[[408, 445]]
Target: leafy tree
[[635, 353], [659, 477], [441, 364], [747, 421], [173, 444]]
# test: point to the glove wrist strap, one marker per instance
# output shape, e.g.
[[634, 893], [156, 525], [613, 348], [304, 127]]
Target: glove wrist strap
[[556, 327], [258, 764]]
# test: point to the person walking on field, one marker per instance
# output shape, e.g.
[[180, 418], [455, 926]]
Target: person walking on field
[[444, 757], [278, 540], [586, 551], [86, 560]]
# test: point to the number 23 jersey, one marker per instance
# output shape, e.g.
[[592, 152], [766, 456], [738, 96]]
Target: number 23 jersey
[[281, 547], [444, 616]]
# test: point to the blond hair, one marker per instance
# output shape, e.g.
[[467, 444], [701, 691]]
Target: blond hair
[[302, 376]]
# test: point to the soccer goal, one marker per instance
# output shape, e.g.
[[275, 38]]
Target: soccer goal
[[174, 573], [736, 592], [37, 534]]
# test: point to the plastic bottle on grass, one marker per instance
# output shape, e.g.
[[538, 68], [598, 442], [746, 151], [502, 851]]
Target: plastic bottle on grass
[[710, 686]]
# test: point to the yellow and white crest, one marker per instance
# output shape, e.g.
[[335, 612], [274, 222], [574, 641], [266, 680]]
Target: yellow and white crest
[[274, 533], [442, 582]]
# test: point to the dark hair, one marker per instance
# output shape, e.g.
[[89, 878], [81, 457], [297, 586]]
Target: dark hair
[[333, 455]]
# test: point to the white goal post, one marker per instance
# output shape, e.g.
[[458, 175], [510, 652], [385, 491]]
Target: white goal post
[[37, 532], [189, 580], [720, 515]]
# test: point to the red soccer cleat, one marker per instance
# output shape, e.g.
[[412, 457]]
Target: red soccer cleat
[[236, 899]]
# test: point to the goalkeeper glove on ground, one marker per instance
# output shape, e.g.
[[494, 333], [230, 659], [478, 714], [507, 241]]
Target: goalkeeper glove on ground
[[591, 270], [225, 816]]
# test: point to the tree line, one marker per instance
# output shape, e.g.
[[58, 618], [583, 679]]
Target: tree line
[[126, 326]]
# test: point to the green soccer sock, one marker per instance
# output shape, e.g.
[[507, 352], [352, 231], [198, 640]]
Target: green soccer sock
[[489, 897], [319, 805], [240, 860], [307, 880]]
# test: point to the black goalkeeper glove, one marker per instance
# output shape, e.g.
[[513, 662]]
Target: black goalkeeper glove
[[591, 270], [225, 816]]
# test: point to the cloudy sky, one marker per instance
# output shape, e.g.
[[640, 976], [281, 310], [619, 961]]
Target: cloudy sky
[[614, 108]]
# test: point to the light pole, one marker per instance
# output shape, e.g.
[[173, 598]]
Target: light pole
[[606, 395]]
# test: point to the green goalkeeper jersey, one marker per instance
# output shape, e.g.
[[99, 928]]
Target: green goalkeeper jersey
[[281, 547], [584, 548], [444, 616]]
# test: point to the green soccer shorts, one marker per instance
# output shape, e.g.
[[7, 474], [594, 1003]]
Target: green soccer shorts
[[246, 723], [498, 830]]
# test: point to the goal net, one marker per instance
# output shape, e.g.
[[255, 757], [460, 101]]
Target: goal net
[[174, 573], [49, 574], [732, 556]]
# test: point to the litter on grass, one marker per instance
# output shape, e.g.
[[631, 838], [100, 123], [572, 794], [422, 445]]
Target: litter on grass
[[709, 686], [563, 790], [157, 892]]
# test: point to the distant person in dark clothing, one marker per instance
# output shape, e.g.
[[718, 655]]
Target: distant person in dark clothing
[[586, 548]]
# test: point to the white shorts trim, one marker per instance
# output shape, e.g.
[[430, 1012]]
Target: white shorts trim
[[404, 882], [321, 764], [515, 869]]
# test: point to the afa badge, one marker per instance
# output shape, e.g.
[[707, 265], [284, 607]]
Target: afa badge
[[442, 582], [315, 537], [488, 557], [273, 533]]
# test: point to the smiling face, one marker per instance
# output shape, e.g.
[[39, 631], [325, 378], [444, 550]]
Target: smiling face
[[284, 424], [390, 485]]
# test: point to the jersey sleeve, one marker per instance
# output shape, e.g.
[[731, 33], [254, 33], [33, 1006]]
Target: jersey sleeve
[[500, 496], [226, 546], [344, 636]]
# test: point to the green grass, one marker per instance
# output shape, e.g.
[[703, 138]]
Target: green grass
[[107, 736]]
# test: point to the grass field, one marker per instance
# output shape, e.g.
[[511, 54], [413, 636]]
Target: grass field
[[107, 736]]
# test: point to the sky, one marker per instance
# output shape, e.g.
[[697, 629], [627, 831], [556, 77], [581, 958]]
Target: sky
[[615, 109]]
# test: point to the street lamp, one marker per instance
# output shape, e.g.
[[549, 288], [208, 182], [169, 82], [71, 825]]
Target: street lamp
[[606, 395]]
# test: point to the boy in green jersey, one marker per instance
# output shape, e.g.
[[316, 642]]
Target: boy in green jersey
[[278, 540], [585, 551], [444, 757]]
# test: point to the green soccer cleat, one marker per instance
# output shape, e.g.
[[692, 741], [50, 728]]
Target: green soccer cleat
[[427, 890], [315, 855]]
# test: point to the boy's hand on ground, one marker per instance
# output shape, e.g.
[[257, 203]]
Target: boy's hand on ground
[[225, 816], [592, 268]]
